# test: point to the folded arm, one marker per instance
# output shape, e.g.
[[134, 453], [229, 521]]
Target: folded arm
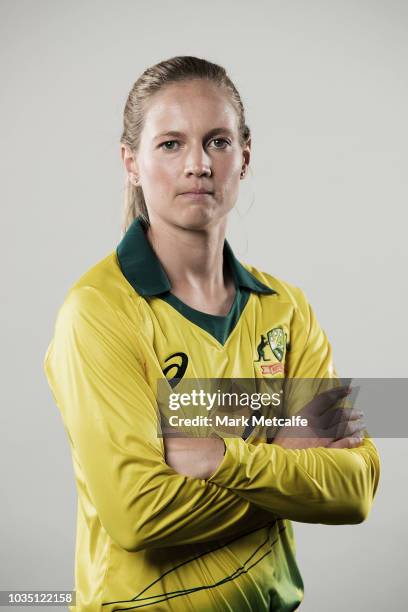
[[312, 485], [109, 411]]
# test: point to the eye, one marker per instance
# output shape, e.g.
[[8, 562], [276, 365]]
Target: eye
[[220, 140], [166, 143]]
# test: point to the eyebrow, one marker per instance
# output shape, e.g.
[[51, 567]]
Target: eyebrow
[[212, 132]]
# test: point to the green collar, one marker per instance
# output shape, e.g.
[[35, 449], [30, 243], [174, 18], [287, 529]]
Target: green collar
[[143, 270]]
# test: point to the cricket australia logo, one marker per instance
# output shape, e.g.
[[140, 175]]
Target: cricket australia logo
[[275, 341]]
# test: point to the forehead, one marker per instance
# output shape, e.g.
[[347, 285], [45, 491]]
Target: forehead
[[183, 106]]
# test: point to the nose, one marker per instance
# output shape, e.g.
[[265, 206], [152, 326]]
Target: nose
[[197, 163]]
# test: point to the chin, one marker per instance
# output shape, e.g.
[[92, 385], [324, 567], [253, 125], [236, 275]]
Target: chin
[[197, 217]]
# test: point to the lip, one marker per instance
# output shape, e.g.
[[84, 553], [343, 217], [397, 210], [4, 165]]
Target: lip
[[196, 195], [198, 191]]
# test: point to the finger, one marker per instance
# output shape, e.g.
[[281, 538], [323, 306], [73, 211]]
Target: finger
[[301, 443], [353, 426], [345, 430], [336, 417], [350, 442], [326, 399], [347, 414]]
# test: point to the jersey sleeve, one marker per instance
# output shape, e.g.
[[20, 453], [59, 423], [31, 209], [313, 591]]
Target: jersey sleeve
[[97, 378], [312, 485], [311, 354]]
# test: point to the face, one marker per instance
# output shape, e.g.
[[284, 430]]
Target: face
[[189, 141]]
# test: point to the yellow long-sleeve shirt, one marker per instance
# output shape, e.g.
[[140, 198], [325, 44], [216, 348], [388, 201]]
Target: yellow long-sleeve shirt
[[148, 537]]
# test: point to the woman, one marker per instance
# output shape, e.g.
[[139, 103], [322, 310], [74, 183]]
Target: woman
[[185, 523]]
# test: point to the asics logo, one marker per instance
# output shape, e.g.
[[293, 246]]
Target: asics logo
[[180, 368]]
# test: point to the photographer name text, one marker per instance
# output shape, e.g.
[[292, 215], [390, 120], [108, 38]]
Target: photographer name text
[[241, 421]]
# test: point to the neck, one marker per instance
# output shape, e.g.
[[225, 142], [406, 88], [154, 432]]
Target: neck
[[192, 259]]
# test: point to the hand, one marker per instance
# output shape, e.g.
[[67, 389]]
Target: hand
[[334, 428], [195, 457]]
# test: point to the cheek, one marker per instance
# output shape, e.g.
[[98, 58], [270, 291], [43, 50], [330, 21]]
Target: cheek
[[229, 167], [229, 175], [159, 177]]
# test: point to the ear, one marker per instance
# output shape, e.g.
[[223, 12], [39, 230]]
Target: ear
[[129, 161], [246, 154]]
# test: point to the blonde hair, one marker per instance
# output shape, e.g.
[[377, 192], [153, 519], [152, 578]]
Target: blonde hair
[[180, 68]]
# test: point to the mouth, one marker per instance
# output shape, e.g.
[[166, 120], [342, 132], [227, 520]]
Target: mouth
[[198, 190], [195, 195]]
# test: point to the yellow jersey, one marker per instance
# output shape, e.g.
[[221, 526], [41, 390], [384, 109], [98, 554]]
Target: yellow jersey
[[147, 536]]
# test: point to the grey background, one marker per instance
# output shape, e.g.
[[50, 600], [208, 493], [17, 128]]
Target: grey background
[[325, 88]]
